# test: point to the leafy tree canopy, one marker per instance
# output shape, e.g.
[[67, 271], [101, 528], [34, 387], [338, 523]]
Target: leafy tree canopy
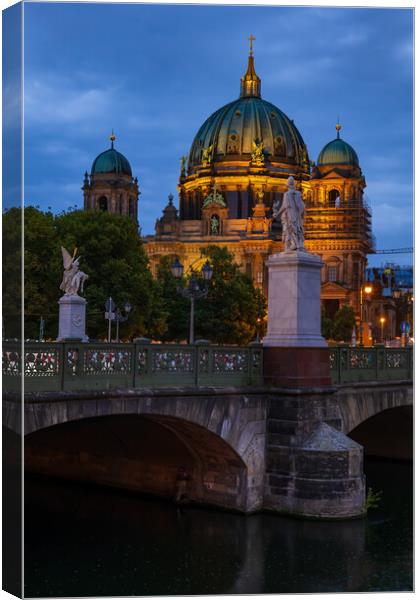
[[343, 323], [113, 256], [234, 308], [175, 307]]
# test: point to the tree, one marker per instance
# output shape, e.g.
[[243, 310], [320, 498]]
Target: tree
[[114, 258], [326, 326], [41, 270], [343, 324], [175, 307], [230, 312], [112, 254]]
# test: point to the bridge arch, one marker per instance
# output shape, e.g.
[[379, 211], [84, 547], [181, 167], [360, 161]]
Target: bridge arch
[[380, 418], [220, 443], [358, 403]]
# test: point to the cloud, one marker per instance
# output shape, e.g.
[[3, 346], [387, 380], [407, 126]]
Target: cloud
[[301, 72], [65, 102]]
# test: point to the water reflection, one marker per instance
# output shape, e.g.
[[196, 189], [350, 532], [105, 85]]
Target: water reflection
[[87, 541]]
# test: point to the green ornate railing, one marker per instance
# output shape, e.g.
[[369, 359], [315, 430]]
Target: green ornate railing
[[352, 365], [83, 366], [77, 366]]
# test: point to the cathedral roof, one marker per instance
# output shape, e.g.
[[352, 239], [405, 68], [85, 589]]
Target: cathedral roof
[[231, 131], [338, 152], [111, 161]]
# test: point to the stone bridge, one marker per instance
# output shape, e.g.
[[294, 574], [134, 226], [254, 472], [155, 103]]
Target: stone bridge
[[245, 448]]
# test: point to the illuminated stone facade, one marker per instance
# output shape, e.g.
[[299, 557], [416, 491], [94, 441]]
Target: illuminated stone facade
[[245, 152]]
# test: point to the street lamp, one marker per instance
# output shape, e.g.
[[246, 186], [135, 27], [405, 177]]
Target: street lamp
[[257, 339], [193, 291], [113, 313], [382, 322], [364, 291], [120, 318]]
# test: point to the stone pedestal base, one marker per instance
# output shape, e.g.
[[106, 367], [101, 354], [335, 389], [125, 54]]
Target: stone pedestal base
[[294, 300], [72, 319], [296, 367]]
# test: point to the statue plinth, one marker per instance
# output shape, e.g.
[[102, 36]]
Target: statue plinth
[[295, 353], [72, 318]]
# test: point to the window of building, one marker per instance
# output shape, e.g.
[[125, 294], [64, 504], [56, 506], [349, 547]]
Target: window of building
[[103, 203], [332, 273], [333, 197]]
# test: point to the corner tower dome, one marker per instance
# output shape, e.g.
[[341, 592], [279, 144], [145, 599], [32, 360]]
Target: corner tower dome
[[111, 161], [338, 152]]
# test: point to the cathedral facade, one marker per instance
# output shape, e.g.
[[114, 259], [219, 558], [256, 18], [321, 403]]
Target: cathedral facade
[[237, 171]]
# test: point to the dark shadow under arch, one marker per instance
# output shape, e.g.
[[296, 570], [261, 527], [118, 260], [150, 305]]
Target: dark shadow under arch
[[141, 453], [388, 434]]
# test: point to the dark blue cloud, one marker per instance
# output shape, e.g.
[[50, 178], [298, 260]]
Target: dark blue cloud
[[155, 72]]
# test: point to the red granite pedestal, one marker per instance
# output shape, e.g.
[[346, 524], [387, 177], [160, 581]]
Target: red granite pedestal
[[297, 367]]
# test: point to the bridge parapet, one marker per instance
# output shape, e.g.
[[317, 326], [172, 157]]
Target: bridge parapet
[[59, 366], [65, 366], [378, 363]]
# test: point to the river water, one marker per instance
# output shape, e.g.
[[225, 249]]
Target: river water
[[90, 541]]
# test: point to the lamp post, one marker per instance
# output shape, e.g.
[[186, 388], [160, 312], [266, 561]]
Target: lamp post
[[193, 291], [364, 291], [382, 322], [257, 339], [120, 318], [112, 313]]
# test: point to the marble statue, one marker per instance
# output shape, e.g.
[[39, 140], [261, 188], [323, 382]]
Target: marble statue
[[291, 216], [73, 278]]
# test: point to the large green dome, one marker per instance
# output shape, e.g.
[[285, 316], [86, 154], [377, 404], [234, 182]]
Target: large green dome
[[338, 152], [232, 129], [111, 161]]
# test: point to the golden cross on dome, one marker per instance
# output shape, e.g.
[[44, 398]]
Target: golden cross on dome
[[112, 138], [251, 39]]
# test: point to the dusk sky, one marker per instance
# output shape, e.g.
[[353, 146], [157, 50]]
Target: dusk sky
[[154, 73]]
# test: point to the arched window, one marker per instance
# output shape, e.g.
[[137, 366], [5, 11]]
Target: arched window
[[120, 205], [333, 196], [103, 203], [131, 207]]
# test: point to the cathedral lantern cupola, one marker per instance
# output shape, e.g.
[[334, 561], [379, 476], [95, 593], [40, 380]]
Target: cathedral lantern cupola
[[250, 82], [111, 186]]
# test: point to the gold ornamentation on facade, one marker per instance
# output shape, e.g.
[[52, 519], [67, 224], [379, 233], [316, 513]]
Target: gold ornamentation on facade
[[207, 156], [257, 154]]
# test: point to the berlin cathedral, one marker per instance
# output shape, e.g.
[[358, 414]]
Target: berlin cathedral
[[236, 171]]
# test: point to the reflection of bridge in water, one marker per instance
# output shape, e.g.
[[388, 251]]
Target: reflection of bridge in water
[[130, 415]]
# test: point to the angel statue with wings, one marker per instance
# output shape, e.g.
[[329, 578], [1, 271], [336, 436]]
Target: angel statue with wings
[[72, 277]]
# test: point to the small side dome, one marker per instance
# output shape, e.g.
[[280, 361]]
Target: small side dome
[[338, 152], [111, 161]]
